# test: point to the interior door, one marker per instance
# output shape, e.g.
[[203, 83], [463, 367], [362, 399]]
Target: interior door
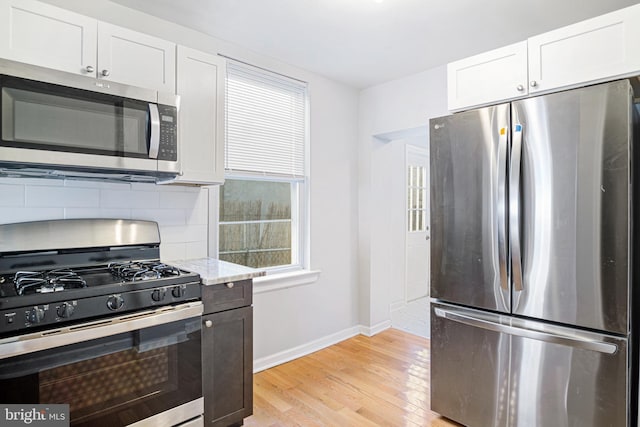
[[417, 225], [468, 153], [575, 193]]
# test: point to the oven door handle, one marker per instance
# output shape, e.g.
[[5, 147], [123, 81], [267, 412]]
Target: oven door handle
[[30, 343]]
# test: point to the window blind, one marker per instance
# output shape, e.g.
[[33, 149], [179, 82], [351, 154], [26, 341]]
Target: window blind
[[265, 122]]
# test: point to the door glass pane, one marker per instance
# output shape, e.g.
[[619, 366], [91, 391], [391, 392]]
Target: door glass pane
[[417, 198]]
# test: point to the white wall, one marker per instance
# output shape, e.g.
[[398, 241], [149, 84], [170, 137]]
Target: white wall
[[283, 319], [391, 115]]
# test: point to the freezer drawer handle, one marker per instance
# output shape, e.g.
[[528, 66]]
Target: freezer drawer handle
[[572, 341]]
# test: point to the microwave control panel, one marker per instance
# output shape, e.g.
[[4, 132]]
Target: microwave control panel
[[168, 149]]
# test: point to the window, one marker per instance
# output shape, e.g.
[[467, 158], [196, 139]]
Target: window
[[261, 208], [416, 198]]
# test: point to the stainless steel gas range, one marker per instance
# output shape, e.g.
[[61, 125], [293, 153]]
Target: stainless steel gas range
[[90, 317]]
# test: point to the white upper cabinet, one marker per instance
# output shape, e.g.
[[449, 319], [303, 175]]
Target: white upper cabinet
[[201, 86], [489, 77], [592, 51], [136, 59], [598, 49], [41, 34]]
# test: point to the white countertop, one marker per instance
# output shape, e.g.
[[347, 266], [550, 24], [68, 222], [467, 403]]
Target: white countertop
[[214, 271]]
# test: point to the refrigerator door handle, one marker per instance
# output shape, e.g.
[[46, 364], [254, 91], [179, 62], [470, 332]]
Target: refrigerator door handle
[[569, 340], [501, 208], [514, 207]]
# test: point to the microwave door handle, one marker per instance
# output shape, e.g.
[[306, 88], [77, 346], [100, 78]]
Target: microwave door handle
[[154, 136]]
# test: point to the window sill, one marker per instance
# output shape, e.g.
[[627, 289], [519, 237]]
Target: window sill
[[279, 281]]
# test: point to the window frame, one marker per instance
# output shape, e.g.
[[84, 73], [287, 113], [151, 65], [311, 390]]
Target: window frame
[[300, 202]]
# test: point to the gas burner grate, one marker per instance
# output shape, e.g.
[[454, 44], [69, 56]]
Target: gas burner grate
[[47, 281], [142, 270]]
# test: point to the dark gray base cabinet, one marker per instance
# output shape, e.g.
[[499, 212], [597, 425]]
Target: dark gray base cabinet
[[227, 360]]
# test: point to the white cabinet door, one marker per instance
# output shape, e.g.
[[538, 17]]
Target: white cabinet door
[[44, 35], [137, 59], [488, 78], [598, 49], [200, 84]]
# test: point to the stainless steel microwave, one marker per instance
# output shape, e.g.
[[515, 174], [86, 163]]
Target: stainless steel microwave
[[59, 124]]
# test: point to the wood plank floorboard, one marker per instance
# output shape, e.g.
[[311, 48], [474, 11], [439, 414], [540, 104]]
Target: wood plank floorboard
[[363, 381]]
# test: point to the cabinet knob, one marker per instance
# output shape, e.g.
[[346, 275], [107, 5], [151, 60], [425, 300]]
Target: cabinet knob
[[89, 69], [520, 88], [208, 323], [230, 285], [105, 73], [533, 83]]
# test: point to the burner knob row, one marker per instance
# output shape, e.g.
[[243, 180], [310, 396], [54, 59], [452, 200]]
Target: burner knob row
[[65, 310], [158, 294], [178, 292], [35, 315], [115, 302]]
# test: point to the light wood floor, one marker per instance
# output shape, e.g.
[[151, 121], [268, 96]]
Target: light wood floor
[[364, 381]]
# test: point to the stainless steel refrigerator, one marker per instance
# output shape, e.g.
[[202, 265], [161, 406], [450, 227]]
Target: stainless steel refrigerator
[[532, 265]]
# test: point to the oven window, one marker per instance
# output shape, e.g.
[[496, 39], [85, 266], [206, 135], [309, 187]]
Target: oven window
[[51, 117], [112, 381]]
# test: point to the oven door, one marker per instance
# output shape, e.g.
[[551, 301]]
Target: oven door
[[141, 368], [65, 127]]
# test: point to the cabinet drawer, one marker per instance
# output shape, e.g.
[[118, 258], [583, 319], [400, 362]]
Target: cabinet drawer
[[226, 296]]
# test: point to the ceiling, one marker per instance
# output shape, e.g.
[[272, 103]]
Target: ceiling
[[367, 42]]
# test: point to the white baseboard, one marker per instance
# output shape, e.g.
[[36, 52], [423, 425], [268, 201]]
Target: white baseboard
[[375, 329], [313, 346], [302, 350]]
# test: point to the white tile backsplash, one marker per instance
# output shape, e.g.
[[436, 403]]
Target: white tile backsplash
[[181, 212], [131, 199], [186, 234], [161, 216], [98, 213], [24, 214], [194, 249], [169, 251], [11, 195], [42, 196], [178, 199]]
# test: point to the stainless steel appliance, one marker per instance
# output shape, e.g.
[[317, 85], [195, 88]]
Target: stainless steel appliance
[[58, 124], [90, 317], [533, 314]]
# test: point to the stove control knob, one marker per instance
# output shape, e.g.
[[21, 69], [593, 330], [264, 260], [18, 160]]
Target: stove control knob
[[158, 294], [35, 315], [178, 292], [115, 302], [65, 310]]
